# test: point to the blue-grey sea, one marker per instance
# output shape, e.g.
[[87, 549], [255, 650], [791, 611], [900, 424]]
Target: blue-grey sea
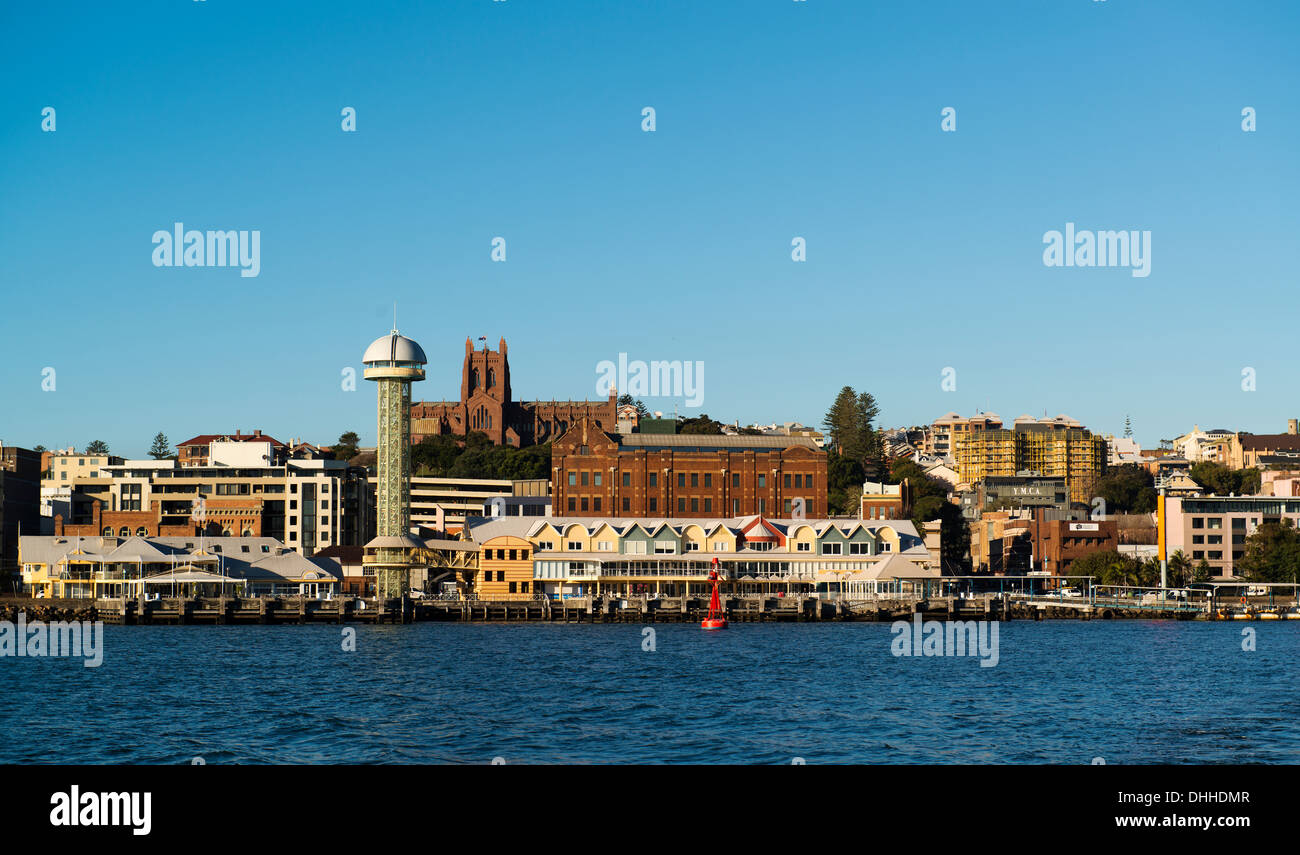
[[1062, 692]]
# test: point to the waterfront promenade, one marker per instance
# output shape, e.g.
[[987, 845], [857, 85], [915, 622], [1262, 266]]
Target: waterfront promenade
[[739, 608]]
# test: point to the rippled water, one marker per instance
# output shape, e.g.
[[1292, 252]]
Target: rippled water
[[1062, 692]]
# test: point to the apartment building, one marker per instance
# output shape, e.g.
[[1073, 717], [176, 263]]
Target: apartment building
[[20, 473], [306, 504], [1053, 447]]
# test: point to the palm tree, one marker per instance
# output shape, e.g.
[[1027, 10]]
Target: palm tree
[[1180, 569]]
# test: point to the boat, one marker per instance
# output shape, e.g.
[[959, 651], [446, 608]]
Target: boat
[[714, 620]]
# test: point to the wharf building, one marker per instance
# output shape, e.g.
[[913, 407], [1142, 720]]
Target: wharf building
[[487, 406], [685, 475], [524, 557], [101, 567]]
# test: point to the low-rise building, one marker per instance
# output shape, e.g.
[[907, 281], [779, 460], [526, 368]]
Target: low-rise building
[[106, 567], [559, 556]]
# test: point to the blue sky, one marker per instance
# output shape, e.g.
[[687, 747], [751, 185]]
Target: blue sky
[[522, 119]]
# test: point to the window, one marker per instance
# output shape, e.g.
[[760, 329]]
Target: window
[[681, 505], [719, 546], [859, 549], [654, 479], [762, 480], [831, 548], [681, 479], [604, 546], [708, 479], [695, 505], [574, 545], [735, 507], [735, 479], [708, 506], [692, 546], [107, 532], [803, 546], [573, 504], [665, 547], [512, 554], [125, 532], [546, 545], [1198, 522], [595, 504], [513, 587], [627, 479], [807, 481], [634, 547], [1198, 538], [584, 479], [695, 479], [584, 503], [573, 479], [627, 504], [140, 532], [787, 480], [654, 504]]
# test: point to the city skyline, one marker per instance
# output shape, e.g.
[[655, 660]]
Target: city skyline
[[924, 247]]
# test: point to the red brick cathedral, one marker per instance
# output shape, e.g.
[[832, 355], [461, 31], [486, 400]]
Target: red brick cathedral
[[485, 406]]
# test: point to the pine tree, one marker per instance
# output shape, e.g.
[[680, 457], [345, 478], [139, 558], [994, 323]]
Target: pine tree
[[161, 448], [1128, 428]]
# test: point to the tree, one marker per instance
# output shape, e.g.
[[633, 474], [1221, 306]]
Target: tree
[[1127, 489], [40, 449], [954, 541], [701, 424], [346, 447], [161, 448], [1180, 569], [1128, 428], [1220, 480], [1202, 572], [642, 411], [850, 424], [1272, 553], [97, 446]]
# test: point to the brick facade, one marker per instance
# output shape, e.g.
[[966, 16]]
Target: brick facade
[[486, 406], [593, 474]]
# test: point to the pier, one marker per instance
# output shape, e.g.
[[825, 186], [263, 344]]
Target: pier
[[642, 609]]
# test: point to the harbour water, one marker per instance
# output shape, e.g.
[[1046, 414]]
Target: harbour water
[[1062, 692]]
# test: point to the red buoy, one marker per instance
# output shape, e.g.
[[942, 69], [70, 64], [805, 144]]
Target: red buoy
[[715, 620]]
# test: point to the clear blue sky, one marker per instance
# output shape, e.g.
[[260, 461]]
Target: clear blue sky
[[522, 119]]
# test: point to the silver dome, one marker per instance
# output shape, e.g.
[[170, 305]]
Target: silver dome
[[394, 348]]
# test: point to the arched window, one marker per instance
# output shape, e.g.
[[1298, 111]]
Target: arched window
[[473, 379], [141, 532], [125, 532], [246, 533], [492, 377], [108, 531]]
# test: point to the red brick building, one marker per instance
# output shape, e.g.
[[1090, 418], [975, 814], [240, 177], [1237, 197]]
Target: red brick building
[[229, 517], [486, 406], [594, 473], [1058, 543]]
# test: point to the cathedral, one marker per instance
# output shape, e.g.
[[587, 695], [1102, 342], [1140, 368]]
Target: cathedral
[[486, 406]]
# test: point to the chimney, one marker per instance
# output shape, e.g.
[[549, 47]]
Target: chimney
[[58, 525], [1292, 426], [257, 432]]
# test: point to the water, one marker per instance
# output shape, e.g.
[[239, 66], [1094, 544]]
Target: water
[[1062, 692]]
